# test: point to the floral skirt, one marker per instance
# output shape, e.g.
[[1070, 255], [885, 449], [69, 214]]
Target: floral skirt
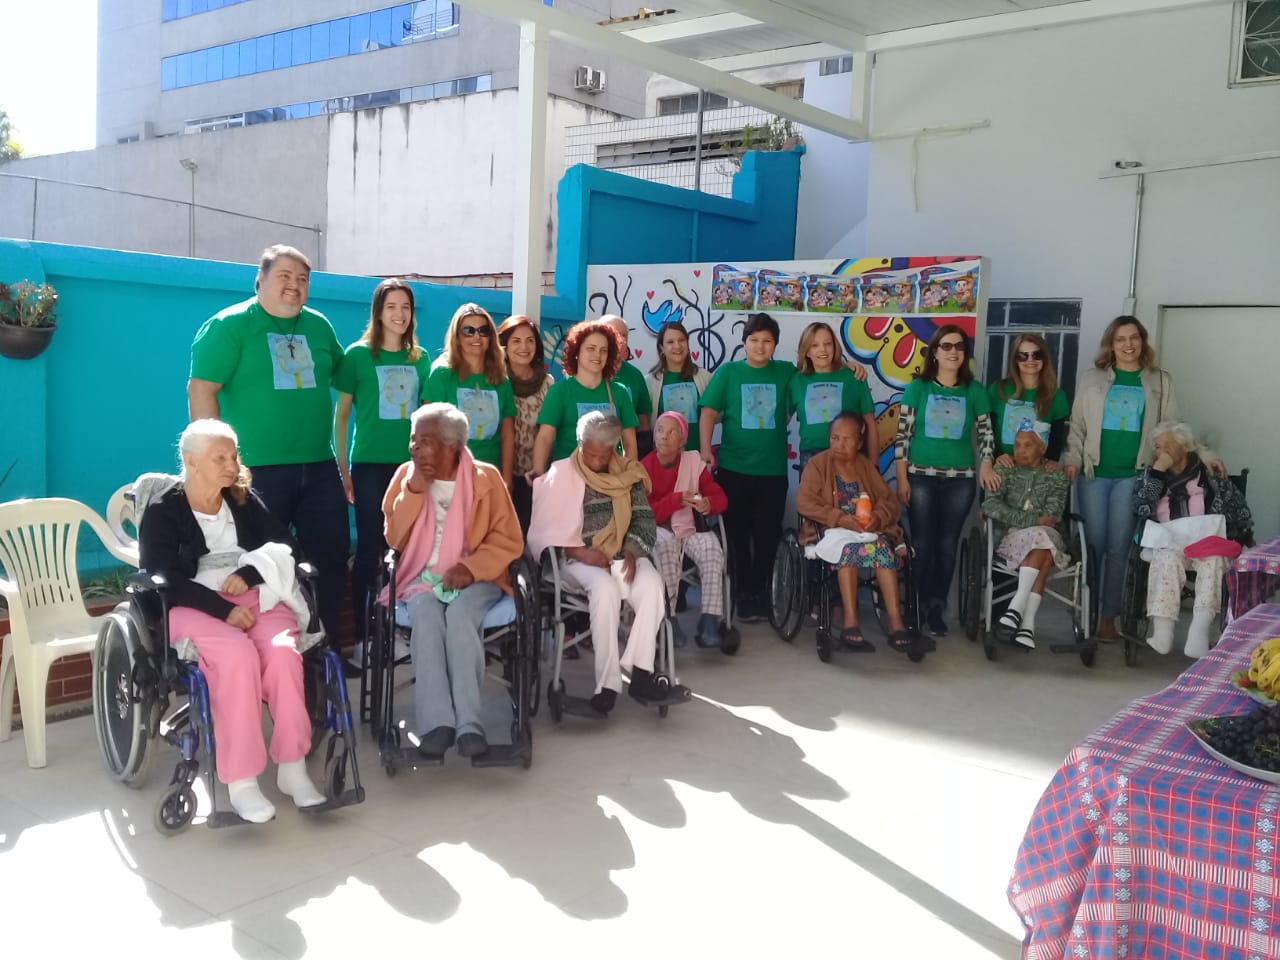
[[876, 555], [1015, 546]]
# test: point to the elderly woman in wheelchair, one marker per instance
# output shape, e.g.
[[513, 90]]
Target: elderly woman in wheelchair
[[231, 590], [593, 508], [1029, 504], [453, 521], [843, 491], [1195, 520]]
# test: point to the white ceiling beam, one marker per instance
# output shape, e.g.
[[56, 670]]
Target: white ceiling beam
[[1080, 11], [778, 57], [797, 19], [575, 30], [661, 32]]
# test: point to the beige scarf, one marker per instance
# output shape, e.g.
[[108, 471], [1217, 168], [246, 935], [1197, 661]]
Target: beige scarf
[[616, 484]]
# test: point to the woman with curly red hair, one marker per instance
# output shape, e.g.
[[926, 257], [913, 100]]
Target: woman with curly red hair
[[590, 362]]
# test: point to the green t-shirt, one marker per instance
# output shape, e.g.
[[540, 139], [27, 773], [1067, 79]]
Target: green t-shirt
[[568, 400], [1009, 411], [943, 435], [752, 403], [275, 377], [485, 405], [384, 392], [631, 378], [815, 399], [680, 396], [1122, 415]]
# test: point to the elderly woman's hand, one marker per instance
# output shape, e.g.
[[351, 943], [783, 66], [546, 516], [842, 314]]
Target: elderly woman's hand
[[234, 585], [1051, 466], [988, 477], [1162, 462], [457, 577], [1218, 467], [628, 566], [241, 618], [588, 555]]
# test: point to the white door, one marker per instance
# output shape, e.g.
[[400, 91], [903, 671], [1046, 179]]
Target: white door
[[1225, 362]]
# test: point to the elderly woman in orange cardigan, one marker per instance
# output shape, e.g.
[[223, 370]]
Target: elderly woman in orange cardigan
[[452, 519], [831, 487]]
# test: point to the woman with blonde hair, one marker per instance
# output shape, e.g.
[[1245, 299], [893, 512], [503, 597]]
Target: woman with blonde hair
[[823, 388], [1029, 391], [473, 377]]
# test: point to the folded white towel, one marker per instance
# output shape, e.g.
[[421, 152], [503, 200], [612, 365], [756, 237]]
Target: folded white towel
[[831, 547]]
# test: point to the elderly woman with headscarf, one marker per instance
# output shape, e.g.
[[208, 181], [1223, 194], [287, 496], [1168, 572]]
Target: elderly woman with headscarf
[[683, 492], [452, 519], [594, 507], [216, 543], [1029, 504], [1195, 520]]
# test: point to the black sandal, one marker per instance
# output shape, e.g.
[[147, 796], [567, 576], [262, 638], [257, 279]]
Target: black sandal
[[902, 641], [851, 639], [1010, 621]]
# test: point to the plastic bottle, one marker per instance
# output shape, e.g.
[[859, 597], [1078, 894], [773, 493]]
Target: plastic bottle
[[862, 512]]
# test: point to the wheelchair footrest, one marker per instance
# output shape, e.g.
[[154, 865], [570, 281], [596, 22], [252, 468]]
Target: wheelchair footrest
[[503, 755], [407, 758], [348, 798], [226, 818]]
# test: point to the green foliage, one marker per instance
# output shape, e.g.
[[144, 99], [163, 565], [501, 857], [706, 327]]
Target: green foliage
[[776, 134], [107, 585], [27, 305], [9, 148]]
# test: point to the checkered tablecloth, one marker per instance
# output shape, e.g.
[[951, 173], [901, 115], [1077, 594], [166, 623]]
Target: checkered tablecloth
[[1253, 577], [1144, 846]]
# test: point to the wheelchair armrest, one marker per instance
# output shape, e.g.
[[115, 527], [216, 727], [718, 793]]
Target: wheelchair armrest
[[307, 571], [147, 582]]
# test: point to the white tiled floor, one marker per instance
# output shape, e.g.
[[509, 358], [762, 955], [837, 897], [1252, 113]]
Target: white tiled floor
[[867, 808]]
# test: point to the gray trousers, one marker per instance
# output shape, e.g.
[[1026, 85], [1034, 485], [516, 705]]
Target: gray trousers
[[448, 657]]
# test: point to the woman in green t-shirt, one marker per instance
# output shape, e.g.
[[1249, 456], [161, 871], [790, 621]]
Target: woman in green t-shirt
[[1029, 391], [824, 387], [590, 359], [473, 377], [675, 382], [939, 413], [381, 376]]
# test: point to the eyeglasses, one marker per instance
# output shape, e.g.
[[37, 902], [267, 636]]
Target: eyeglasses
[[485, 331], [951, 346], [1026, 356]]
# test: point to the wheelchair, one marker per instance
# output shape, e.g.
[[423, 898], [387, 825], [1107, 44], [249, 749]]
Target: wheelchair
[[804, 587], [1133, 595], [988, 583], [730, 638], [567, 626], [510, 635]]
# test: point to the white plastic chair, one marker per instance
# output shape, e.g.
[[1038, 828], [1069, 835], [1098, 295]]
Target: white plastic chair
[[47, 615]]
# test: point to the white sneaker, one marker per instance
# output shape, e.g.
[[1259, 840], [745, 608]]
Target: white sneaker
[[247, 800], [293, 781]]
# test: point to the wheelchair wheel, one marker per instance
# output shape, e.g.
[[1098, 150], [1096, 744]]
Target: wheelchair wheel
[[176, 809], [824, 646], [973, 561], [787, 587], [335, 775], [1133, 604], [122, 719], [915, 656], [555, 701], [730, 640]]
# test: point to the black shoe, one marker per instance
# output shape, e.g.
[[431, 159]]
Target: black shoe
[[472, 745], [751, 610], [603, 701], [646, 690], [435, 743], [708, 631], [351, 670], [937, 626]]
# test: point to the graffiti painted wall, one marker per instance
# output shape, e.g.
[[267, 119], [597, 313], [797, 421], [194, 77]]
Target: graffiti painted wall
[[884, 310]]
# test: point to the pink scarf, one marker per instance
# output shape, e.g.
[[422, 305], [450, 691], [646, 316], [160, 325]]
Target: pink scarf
[[453, 542], [691, 467]]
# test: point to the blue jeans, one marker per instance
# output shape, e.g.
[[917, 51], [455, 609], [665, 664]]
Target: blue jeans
[[448, 657], [1106, 503], [937, 514], [369, 482], [308, 497]]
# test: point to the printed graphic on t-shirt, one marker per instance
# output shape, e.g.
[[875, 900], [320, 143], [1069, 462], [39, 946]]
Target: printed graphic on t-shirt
[[681, 398], [1015, 411], [585, 408], [1123, 409], [822, 401], [759, 406], [481, 408], [292, 366], [944, 417], [397, 392]]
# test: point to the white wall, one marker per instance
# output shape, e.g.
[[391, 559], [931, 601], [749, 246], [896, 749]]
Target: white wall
[[429, 187], [1064, 105]]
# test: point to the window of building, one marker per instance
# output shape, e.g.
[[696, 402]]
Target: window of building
[[362, 101], [1058, 321], [1256, 42], [834, 65], [379, 29], [794, 89], [177, 9], [688, 103]]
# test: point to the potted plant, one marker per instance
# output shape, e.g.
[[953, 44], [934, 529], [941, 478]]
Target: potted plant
[[28, 317]]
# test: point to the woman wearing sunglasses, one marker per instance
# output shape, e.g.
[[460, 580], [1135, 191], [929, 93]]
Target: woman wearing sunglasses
[[1029, 391], [473, 377], [940, 410]]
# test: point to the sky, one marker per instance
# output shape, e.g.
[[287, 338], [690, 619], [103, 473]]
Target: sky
[[49, 73]]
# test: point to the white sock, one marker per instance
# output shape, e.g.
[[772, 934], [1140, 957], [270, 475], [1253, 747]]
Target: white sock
[[248, 801], [1198, 634], [1161, 639], [1026, 579], [293, 781], [1029, 614]]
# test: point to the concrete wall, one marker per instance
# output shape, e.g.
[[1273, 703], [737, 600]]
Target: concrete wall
[[429, 187], [232, 174], [833, 178], [1064, 105]]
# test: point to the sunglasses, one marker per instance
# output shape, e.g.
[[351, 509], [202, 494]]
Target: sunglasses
[[951, 346], [1026, 356], [485, 331]]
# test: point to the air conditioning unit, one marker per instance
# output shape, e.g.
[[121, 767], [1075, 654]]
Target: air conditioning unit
[[589, 79]]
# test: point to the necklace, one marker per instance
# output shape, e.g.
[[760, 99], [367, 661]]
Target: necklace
[[291, 337]]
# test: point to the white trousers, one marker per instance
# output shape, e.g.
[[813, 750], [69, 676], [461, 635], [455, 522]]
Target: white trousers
[[605, 590]]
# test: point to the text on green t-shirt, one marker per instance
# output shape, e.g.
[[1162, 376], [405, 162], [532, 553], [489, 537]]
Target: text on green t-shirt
[[680, 396]]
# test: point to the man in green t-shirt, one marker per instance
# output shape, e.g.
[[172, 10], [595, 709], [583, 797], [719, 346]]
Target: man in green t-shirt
[[632, 379], [265, 366]]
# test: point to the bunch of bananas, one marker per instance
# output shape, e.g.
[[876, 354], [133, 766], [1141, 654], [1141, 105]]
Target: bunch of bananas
[[1264, 667]]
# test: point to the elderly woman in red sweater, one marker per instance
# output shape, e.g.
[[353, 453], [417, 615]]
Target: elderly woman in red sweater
[[683, 494]]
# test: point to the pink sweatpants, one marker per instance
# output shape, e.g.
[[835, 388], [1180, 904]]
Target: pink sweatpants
[[244, 668]]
